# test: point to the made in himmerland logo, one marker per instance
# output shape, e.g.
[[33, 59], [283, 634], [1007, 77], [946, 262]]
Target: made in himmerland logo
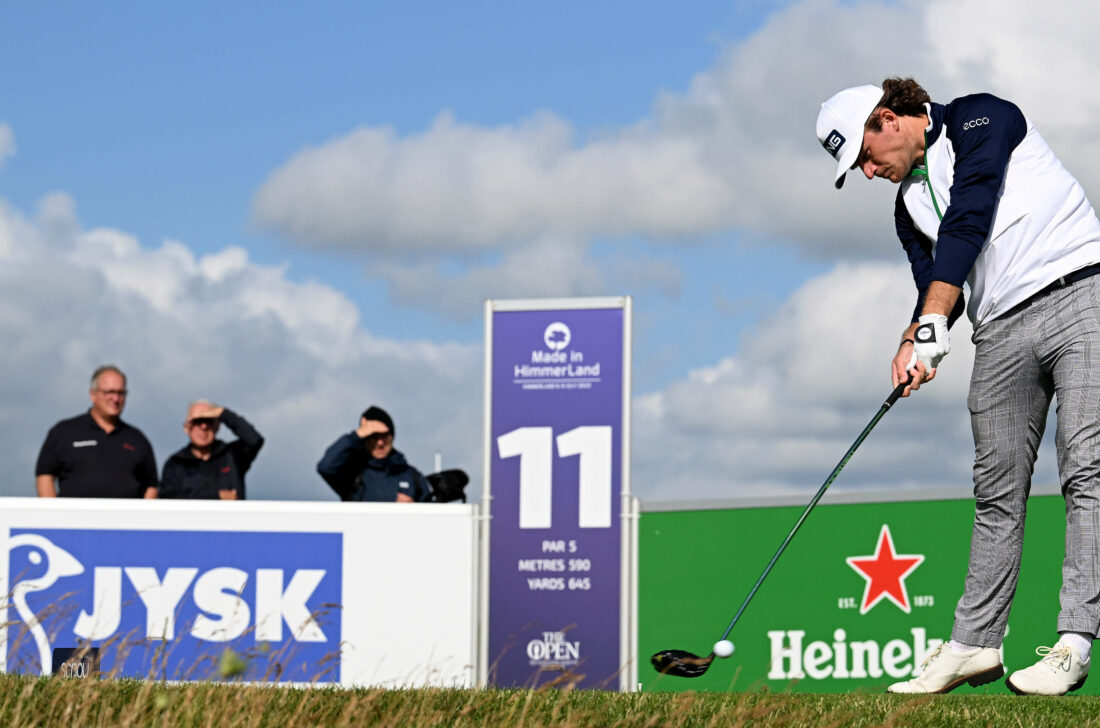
[[554, 365], [171, 601], [557, 336]]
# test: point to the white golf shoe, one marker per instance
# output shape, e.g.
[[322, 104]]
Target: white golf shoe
[[946, 669], [1059, 672]]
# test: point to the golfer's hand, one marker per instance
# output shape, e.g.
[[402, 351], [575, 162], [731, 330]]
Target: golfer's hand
[[900, 369], [932, 342]]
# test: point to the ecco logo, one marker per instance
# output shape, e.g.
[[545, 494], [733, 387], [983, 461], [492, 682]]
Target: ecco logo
[[974, 123]]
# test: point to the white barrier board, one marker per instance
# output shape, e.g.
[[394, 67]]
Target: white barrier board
[[344, 593]]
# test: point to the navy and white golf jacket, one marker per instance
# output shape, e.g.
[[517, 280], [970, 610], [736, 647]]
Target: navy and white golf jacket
[[1014, 220]]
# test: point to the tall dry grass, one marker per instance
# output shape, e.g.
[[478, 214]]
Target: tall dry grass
[[89, 703]]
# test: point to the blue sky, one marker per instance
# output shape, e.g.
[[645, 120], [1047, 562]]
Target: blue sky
[[217, 197], [164, 120]]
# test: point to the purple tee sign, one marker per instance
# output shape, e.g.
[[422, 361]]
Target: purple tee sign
[[557, 377]]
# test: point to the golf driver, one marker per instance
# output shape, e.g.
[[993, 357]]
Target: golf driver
[[682, 663]]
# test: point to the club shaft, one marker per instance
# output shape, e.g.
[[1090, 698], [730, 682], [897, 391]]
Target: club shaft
[[817, 496]]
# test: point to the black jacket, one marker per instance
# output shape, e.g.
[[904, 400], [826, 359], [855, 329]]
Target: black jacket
[[356, 476], [186, 476]]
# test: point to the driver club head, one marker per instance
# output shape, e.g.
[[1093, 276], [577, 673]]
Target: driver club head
[[680, 663]]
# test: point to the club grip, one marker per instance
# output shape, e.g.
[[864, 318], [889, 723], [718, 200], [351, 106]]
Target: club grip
[[897, 392]]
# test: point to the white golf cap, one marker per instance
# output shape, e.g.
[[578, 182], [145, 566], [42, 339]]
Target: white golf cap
[[840, 125]]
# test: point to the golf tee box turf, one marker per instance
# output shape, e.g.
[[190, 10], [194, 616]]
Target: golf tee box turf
[[868, 586], [54, 702]]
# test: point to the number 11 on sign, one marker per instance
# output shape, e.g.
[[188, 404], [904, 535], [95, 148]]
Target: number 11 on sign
[[533, 446]]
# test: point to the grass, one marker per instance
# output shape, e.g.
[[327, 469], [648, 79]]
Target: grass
[[30, 701]]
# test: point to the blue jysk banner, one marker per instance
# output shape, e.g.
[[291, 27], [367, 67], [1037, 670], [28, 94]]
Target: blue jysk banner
[[168, 604]]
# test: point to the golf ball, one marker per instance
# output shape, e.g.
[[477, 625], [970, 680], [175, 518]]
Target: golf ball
[[723, 648]]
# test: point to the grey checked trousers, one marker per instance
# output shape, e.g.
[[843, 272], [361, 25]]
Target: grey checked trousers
[[1047, 347]]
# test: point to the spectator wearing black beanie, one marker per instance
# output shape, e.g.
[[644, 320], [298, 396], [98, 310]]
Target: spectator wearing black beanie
[[363, 465]]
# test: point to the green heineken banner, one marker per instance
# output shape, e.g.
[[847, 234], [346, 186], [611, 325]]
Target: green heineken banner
[[856, 601]]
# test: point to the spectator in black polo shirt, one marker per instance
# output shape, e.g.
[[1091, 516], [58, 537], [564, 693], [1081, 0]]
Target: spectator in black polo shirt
[[97, 455], [207, 467]]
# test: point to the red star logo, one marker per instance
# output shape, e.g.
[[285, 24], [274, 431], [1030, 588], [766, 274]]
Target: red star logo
[[885, 573]]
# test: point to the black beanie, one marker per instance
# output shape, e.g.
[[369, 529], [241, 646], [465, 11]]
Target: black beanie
[[379, 415]]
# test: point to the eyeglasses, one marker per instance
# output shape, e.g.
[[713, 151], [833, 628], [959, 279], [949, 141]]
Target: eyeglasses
[[207, 422], [109, 392]]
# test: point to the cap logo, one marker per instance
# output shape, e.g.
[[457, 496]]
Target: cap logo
[[833, 142]]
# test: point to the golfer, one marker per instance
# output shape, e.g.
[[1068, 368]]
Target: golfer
[[982, 199]]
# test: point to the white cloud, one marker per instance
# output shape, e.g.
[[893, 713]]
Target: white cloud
[[7, 143], [291, 357], [511, 211], [458, 186], [778, 415], [734, 151], [1038, 55], [549, 267], [294, 358]]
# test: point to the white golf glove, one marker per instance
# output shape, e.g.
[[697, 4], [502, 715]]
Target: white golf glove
[[931, 341]]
